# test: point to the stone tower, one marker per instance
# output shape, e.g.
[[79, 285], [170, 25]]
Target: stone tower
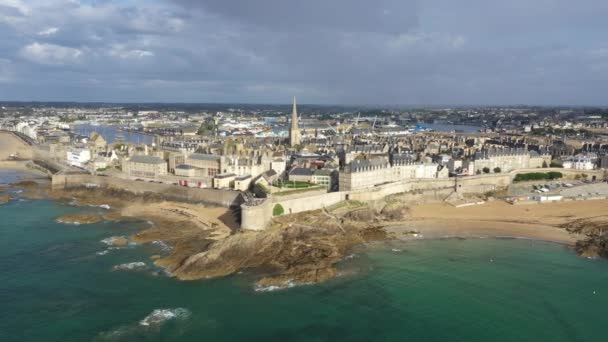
[[294, 130]]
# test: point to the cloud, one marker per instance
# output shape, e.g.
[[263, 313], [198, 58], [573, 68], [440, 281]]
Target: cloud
[[390, 16], [123, 52], [49, 31], [51, 54], [339, 51]]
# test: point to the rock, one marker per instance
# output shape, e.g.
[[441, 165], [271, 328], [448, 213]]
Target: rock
[[301, 249], [361, 215], [79, 219], [395, 211], [116, 241], [155, 257], [28, 184], [4, 198]]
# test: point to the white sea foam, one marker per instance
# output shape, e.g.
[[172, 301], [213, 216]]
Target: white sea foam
[[105, 206], [162, 245], [131, 266], [160, 316], [396, 250], [349, 257], [103, 252], [153, 321], [111, 240], [285, 285]]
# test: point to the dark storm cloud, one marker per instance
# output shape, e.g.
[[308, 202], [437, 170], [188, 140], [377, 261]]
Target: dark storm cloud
[[340, 51]]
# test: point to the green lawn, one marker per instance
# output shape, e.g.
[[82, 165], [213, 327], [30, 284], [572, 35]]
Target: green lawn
[[292, 185]]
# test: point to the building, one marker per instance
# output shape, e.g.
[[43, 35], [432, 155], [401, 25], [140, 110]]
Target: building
[[295, 137], [185, 171], [241, 183], [506, 159], [97, 143], [207, 165], [146, 167], [323, 177], [224, 180], [367, 173], [300, 174], [580, 162], [78, 157]]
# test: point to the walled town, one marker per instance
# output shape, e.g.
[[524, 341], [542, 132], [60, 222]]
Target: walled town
[[277, 161], [295, 188]]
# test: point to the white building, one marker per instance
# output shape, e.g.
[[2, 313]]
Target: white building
[[78, 157], [580, 162]]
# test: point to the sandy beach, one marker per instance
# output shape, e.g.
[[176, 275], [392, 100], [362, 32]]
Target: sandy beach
[[498, 219]]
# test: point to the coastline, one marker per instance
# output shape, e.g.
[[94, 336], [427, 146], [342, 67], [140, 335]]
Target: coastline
[[306, 247], [16, 165], [440, 229]]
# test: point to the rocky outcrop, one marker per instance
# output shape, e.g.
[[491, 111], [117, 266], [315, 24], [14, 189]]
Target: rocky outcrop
[[79, 219], [297, 249], [595, 230], [4, 198]]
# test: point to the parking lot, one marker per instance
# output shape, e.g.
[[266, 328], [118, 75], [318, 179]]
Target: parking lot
[[568, 189], [586, 191]]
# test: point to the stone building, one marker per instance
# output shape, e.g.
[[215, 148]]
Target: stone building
[[360, 174], [206, 165], [148, 167], [224, 180]]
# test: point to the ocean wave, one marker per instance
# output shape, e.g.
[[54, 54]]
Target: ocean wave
[[152, 322], [160, 316], [131, 266], [104, 252], [162, 245], [113, 240], [283, 286], [74, 223]]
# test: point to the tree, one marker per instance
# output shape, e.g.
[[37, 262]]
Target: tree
[[497, 170], [486, 170], [207, 126], [278, 210]]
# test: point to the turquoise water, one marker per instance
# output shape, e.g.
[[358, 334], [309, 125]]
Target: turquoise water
[[55, 287]]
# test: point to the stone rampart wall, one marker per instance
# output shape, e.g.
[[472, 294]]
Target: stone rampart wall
[[223, 198]]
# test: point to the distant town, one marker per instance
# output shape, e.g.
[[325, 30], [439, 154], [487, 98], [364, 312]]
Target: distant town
[[299, 152]]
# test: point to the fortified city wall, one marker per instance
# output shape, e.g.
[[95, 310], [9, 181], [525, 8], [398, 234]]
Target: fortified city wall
[[223, 198], [258, 217]]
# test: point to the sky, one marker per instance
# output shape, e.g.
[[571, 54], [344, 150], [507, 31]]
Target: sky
[[352, 52]]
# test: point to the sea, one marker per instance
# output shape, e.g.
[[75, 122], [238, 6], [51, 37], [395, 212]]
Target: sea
[[61, 282], [113, 134]]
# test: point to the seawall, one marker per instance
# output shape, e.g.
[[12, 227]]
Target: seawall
[[258, 217], [214, 197]]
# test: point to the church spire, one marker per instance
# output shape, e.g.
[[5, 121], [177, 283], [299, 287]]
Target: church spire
[[294, 130], [294, 115]]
